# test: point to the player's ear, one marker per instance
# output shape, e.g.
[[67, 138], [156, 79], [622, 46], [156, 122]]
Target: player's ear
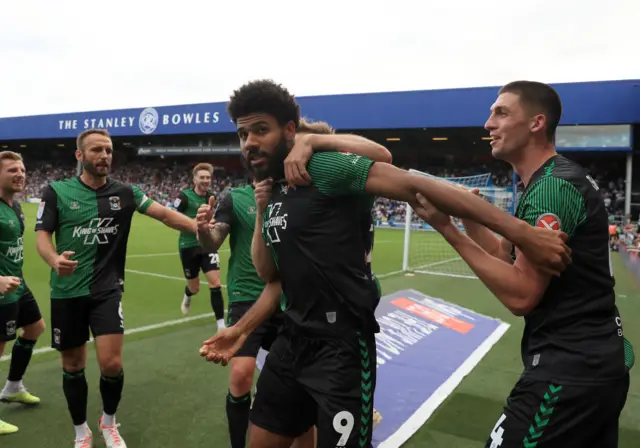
[[78, 154], [290, 131], [538, 122]]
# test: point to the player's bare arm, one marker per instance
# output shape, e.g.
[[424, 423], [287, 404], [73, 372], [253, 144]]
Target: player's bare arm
[[224, 345], [210, 234], [307, 144], [171, 218], [518, 286], [212, 239], [350, 143], [61, 263], [545, 249], [485, 238], [260, 254]]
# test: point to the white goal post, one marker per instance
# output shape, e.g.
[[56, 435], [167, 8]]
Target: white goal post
[[425, 251]]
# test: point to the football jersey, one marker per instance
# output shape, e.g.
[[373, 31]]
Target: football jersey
[[318, 242], [238, 210], [575, 333], [95, 224], [11, 247], [188, 203]]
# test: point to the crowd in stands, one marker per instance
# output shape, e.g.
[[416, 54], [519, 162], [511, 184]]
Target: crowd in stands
[[164, 181]]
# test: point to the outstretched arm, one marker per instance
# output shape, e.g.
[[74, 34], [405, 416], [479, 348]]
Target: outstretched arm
[[544, 249], [518, 286], [295, 165], [171, 218], [486, 239], [353, 144]]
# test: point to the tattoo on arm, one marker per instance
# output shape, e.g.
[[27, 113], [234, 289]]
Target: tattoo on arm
[[219, 233]]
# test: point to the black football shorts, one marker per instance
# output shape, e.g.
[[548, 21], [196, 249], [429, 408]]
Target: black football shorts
[[552, 415]]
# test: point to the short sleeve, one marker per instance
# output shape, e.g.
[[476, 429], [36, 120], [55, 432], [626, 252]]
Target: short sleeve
[[224, 210], [47, 216], [181, 203], [338, 173], [554, 204], [142, 201]]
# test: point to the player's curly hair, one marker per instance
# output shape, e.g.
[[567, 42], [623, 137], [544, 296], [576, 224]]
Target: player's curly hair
[[267, 97]]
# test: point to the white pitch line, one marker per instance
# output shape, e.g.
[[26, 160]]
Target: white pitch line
[[168, 277], [168, 323], [162, 254]]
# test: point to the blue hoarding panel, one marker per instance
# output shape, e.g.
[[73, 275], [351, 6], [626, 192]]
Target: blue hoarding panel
[[607, 102], [425, 347]]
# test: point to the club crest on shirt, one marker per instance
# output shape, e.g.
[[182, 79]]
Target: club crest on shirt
[[114, 202], [548, 221]]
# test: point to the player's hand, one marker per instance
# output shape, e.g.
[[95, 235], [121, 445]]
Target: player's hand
[[64, 265], [204, 215], [546, 249], [9, 284], [220, 348], [430, 214], [295, 165], [262, 192]]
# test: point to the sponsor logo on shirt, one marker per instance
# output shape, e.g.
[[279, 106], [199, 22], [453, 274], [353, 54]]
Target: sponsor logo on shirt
[[97, 232], [548, 221]]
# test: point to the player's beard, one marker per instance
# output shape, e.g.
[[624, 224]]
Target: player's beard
[[274, 168], [93, 169]]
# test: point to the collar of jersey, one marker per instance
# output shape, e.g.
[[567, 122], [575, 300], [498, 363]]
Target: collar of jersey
[[107, 183]]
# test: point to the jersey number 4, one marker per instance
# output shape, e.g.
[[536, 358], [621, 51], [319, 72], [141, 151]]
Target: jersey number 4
[[498, 431]]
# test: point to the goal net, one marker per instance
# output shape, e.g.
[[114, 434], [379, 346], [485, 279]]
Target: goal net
[[426, 251]]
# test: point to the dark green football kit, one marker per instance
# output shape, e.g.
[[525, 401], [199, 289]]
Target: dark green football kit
[[95, 225], [576, 359], [244, 286], [18, 308], [321, 369], [194, 259]]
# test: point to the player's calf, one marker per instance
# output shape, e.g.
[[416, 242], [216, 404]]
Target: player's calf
[[76, 392], [192, 288], [238, 403], [14, 390], [109, 350], [215, 292]]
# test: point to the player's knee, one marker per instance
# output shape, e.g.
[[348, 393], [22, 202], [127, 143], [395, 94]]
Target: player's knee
[[241, 378], [73, 360], [34, 331], [194, 286], [213, 279], [111, 366], [2, 346]]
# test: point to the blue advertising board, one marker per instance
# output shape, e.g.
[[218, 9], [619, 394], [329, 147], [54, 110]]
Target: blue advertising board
[[425, 347], [595, 103]]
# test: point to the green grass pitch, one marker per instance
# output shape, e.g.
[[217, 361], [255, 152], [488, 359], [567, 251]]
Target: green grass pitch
[[172, 398]]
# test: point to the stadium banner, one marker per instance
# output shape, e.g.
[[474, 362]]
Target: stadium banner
[[187, 150], [593, 103], [425, 347]]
